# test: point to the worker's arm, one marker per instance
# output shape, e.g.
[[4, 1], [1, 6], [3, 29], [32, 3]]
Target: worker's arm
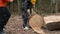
[[30, 10]]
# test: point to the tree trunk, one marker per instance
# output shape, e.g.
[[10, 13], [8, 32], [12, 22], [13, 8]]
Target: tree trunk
[[56, 8], [18, 6], [51, 8]]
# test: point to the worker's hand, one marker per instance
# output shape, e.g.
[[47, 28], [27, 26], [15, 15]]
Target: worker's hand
[[30, 15], [11, 0]]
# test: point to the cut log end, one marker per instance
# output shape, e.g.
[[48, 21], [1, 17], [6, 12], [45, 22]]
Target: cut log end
[[36, 22]]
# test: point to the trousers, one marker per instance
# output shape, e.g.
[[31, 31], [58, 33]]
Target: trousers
[[4, 17], [25, 18]]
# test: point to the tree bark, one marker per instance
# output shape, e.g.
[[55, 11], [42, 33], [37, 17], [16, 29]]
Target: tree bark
[[56, 8]]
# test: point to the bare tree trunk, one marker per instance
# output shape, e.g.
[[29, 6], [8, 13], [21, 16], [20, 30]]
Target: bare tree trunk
[[18, 6], [51, 8], [56, 8], [53, 2]]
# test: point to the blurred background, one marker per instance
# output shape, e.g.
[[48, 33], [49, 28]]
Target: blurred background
[[42, 7]]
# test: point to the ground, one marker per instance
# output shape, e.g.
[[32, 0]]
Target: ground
[[14, 26]]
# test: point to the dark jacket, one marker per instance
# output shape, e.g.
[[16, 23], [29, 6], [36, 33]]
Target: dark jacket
[[27, 5]]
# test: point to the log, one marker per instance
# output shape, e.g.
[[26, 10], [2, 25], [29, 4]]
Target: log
[[52, 22]]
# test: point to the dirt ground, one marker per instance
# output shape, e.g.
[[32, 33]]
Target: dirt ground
[[14, 26]]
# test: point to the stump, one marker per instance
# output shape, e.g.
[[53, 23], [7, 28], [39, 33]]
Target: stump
[[36, 22]]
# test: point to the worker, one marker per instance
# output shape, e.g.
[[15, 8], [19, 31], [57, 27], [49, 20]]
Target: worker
[[4, 14], [27, 4]]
